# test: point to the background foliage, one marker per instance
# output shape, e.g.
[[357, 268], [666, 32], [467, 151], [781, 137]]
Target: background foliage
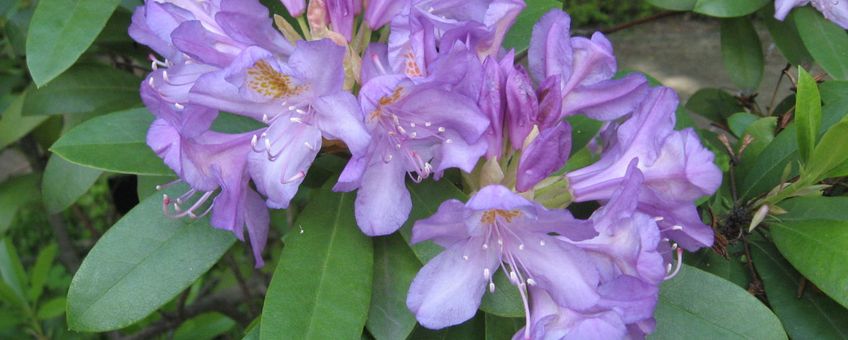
[[69, 78]]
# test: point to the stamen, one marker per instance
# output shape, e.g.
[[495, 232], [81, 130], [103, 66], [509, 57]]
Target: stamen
[[678, 266], [542, 243], [179, 106], [441, 129], [299, 175], [491, 287], [658, 218], [531, 282], [166, 185]]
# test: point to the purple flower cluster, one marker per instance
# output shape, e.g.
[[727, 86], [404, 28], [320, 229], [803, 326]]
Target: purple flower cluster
[[438, 93], [834, 10]]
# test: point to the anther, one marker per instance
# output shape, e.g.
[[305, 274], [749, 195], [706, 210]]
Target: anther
[[491, 287], [441, 129], [412, 124], [659, 218], [448, 141], [513, 277], [150, 81], [486, 273], [485, 246], [309, 146], [531, 282], [542, 243], [677, 227], [165, 75], [465, 257], [521, 246], [179, 106], [427, 124], [295, 120]]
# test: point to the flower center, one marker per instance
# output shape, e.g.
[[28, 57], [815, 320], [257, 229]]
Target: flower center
[[266, 81]]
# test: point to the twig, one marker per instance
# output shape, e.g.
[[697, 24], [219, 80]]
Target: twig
[[251, 307], [639, 21]]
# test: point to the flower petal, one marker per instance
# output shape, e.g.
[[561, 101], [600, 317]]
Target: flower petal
[[550, 52], [383, 203], [445, 227], [545, 155], [339, 116]]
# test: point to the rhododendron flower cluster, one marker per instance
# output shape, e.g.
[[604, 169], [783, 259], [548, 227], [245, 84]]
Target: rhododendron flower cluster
[[438, 91]]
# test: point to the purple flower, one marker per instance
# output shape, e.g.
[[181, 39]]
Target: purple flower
[[419, 127], [210, 32], [342, 13], [498, 228], [302, 100], [378, 13], [676, 167], [585, 68], [835, 11], [295, 7], [209, 162]]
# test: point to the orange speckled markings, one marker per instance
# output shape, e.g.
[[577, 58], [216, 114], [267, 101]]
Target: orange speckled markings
[[266, 81]]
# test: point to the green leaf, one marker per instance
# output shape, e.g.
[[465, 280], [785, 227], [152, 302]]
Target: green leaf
[[698, 305], [762, 134], [830, 153], [728, 8], [518, 37], [740, 121], [808, 114], [827, 42], [114, 142], [814, 208], [146, 185], [51, 309], [64, 182], [395, 265], [322, 285], [11, 269], [40, 270], [818, 249], [140, 264], [833, 92], [674, 5], [60, 31], [473, 329], [713, 104], [765, 172], [83, 89], [204, 326], [742, 53], [813, 315], [505, 301], [499, 328], [732, 270], [15, 193], [583, 129], [786, 37], [14, 125]]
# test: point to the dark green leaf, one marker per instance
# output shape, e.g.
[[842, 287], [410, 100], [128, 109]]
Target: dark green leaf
[[786, 37], [518, 37], [60, 31], [40, 270], [204, 326], [713, 104], [51, 309], [146, 185], [813, 315], [505, 301], [64, 182], [762, 134], [473, 329], [834, 91], [140, 264], [114, 142], [83, 89], [499, 328], [674, 5], [827, 42], [231, 123], [818, 249], [395, 265], [14, 194], [814, 208], [14, 125], [731, 269], [742, 53], [698, 305], [11, 269], [322, 285], [808, 114], [728, 8], [583, 129]]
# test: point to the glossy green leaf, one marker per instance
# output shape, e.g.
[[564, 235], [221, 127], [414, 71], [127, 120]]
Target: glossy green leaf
[[395, 265], [761, 134], [146, 185], [51, 309], [766, 171], [583, 129], [813, 315], [698, 305], [206, 326], [830, 153], [728, 8], [64, 182], [85, 88], [786, 37], [742, 53], [14, 125], [39, 271], [114, 142], [321, 288], [808, 114], [732, 269], [60, 31], [15, 193], [518, 37], [827, 42], [505, 301], [473, 329], [500, 328], [818, 249], [140, 264], [835, 92], [814, 208], [713, 104]]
